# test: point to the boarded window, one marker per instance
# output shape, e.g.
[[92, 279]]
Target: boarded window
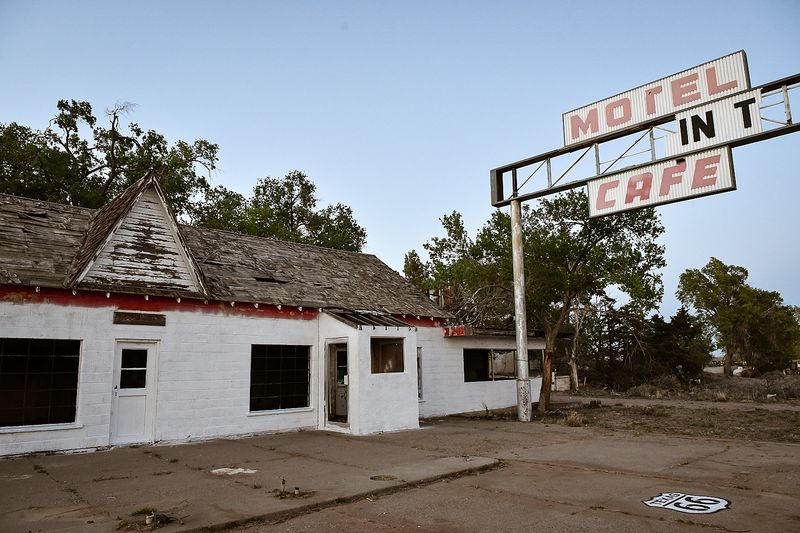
[[279, 377], [481, 364], [387, 355], [38, 381]]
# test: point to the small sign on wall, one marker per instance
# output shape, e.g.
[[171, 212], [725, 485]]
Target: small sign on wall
[[131, 318]]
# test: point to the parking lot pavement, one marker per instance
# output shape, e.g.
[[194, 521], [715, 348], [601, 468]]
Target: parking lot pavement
[[558, 478], [97, 491], [549, 478]]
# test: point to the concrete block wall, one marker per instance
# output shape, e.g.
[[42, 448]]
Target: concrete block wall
[[387, 402], [203, 382], [444, 390]]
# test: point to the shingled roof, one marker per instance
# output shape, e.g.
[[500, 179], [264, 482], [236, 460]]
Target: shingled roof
[[47, 245]]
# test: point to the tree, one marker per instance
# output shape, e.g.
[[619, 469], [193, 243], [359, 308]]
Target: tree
[[621, 348], [570, 258], [414, 270], [474, 276], [79, 162], [749, 324], [286, 209], [719, 293]]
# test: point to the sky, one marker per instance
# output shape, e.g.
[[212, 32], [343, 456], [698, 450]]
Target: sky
[[400, 109]]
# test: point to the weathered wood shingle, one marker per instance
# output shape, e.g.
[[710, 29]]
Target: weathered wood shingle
[[38, 240], [50, 245]]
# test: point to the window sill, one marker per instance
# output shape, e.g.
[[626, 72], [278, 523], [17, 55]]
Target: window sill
[[281, 411], [42, 427]]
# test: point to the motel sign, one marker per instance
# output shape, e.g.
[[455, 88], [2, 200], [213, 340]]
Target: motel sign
[[689, 122]]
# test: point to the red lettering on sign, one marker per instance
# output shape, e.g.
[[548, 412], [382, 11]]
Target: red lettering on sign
[[602, 195], [684, 90], [713, 85], [639, 187], [611, 111], [671, 176], [591, 124], [650, 98], [705, 172]]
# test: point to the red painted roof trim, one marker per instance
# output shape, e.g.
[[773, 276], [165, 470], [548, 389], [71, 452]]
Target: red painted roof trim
[[22, 294]]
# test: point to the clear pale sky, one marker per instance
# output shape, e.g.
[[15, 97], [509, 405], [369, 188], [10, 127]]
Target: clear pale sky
[[400, 109]]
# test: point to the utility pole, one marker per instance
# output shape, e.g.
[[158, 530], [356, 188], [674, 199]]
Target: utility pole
[[523, 383]]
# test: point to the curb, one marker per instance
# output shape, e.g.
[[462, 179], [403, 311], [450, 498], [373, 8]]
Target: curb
[[277, 517]]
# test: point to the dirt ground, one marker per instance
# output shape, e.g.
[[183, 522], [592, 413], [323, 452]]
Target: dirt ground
[[749, 422], [770, 388]]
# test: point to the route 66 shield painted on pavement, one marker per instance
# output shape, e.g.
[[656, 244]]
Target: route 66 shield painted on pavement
[[688, 503]]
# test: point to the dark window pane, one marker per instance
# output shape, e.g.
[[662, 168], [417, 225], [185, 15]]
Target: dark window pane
[[67, 347], [259, 350], [11, 416], [279, 377], [61, 398], [15, 347], [134, 358], [65, 364], [62, 414], [41, 347], [37, 415], [476, 365], [14, 363], [65, 380], [40, 364], [132, 379], [12, 397], [12, 381], [38, 381], [37, 398]]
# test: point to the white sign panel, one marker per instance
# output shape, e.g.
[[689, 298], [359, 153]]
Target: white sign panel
[[716, 123], [658, 99], [688, 503], [698, 174]]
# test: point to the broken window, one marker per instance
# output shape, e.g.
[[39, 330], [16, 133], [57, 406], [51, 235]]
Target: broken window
[[279, 377], [38, 381], [482, 364], [387, 355]]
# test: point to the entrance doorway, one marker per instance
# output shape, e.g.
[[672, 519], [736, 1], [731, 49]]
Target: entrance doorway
[[337, 383], [134, 395]]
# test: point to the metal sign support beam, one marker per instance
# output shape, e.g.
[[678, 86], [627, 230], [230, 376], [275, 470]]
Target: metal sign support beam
[[518, 261]]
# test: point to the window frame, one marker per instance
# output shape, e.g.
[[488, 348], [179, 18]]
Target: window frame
[[279, 375], [488, 368], [378, 367], [63, 378]]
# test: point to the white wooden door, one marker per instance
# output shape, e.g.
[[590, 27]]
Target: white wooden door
[[134, 396]]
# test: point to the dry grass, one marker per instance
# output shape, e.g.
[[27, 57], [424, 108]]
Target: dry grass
[[750, 424], [573, 419]]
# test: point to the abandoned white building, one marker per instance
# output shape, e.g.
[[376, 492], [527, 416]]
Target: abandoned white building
[[121, 326]]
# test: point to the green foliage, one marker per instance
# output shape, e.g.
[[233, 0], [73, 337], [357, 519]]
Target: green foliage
[[621, 348], [80, 162], [286, 209], [749, 324], [569, 258], [415, 271]]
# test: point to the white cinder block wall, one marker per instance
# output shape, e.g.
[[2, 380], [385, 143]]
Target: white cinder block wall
[[386, 402], [444, 390], [203, 382]]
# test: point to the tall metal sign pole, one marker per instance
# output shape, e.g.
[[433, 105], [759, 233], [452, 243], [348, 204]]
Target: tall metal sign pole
[[710, 108], [523, 383]]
